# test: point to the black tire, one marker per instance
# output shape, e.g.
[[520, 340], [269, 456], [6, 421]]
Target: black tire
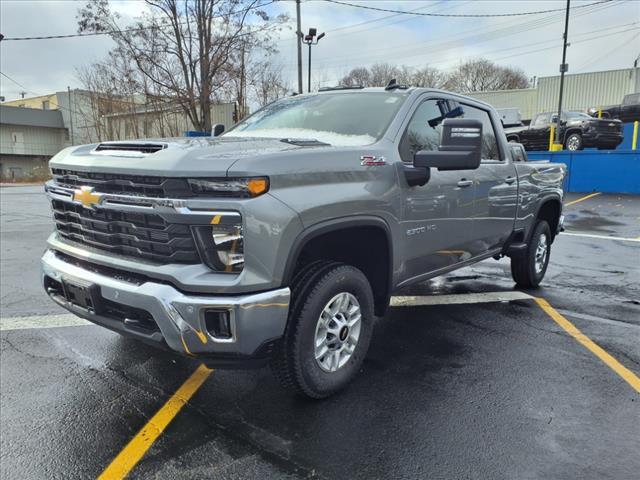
[[574, 142], [523, 266], [294, 363]]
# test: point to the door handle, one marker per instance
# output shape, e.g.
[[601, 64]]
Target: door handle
[[465, 183], [510, 180]]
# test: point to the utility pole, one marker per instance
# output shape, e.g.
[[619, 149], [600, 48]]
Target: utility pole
[[299, 40], [309, 40], [563, 68], [243, 82], [70, 114]]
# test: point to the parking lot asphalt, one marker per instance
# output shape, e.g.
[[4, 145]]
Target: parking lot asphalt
[[478, 390]]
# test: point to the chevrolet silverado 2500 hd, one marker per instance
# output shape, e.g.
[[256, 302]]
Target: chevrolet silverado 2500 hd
[[281, 240]]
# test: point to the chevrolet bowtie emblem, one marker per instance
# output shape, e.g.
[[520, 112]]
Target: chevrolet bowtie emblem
[[87, 197]]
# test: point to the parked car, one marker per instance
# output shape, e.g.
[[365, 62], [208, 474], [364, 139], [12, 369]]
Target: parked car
[[627, 111], [577, 131], [280, 241]]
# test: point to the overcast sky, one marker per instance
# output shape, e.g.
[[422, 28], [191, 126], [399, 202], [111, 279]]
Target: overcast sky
[[603, 37]]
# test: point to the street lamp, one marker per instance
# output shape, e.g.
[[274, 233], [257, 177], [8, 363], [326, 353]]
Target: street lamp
[[311, 39]]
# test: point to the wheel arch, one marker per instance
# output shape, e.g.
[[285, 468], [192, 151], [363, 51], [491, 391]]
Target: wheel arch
[[351, 240], [550, 209], [571, 131]]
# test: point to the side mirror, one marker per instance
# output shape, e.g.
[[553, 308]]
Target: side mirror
[[460, 147], [218, 129]]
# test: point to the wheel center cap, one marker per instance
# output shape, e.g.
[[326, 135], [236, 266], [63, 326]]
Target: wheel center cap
[[344, 332]]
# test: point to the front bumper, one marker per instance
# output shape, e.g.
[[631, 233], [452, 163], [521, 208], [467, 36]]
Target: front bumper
[[173, 319], [595, 138]]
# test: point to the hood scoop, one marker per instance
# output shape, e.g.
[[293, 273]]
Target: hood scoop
[[128, 148]]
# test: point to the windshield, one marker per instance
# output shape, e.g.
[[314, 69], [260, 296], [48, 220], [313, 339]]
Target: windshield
[[344, 119], [577, 115]]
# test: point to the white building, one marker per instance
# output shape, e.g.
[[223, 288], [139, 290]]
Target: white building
[[28, 139]]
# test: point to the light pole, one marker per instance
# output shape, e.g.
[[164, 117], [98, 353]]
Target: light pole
[[311, 39], [299, 45], [563, 69]]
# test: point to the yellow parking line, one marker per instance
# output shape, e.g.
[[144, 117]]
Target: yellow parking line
[[582, 199], [630, 377], [138, 446]]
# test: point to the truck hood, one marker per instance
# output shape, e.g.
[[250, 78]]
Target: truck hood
[[598, 123], [173, 157], [516, 129]]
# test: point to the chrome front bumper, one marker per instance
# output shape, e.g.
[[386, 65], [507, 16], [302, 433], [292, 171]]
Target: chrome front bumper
[[255, 319]]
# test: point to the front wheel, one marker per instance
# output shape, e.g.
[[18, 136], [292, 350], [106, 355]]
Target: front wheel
[[528, 268], [574, 142], [328, 332]]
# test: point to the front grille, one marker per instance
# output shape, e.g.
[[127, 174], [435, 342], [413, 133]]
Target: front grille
[[136, 185], [139, 235], [605, 127]]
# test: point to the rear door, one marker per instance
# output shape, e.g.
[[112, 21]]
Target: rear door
[[496, 189], [438, 216]]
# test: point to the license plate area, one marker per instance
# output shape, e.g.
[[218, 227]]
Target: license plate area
[[82, 294]]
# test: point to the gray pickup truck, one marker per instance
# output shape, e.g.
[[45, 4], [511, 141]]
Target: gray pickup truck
[[281, 240]]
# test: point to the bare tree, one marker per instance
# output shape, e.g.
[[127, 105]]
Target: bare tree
[[268, 84], [381, 73], [427, 77], [357, 77], [481, 75], [183, 48]]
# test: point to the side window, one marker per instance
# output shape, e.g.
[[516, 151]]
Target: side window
[[542, 120], [489, 143], [419, 134]]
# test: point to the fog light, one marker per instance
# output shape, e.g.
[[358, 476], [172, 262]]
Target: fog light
[[218, 324]]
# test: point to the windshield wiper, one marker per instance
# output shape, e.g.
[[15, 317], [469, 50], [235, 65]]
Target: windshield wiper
[[303, 142]]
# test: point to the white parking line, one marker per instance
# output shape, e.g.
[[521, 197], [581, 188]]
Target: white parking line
[[605, 237], [42, 321], [456, 299]]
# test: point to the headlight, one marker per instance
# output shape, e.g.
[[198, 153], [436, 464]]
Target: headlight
[[221, 246], [229, 187]]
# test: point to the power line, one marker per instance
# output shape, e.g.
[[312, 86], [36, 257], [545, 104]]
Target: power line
[[459, 15], [128, 30], [505, 29], [537, 50]]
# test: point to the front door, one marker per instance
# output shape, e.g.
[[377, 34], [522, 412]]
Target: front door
[[438, 216]]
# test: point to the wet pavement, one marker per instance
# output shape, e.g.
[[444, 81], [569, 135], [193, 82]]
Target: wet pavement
[[484, 390]]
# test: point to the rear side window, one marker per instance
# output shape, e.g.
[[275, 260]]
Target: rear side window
[[489, 144]]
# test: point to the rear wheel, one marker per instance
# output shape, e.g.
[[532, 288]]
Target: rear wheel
[[528, 269], [573, 142], [328, 332]]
